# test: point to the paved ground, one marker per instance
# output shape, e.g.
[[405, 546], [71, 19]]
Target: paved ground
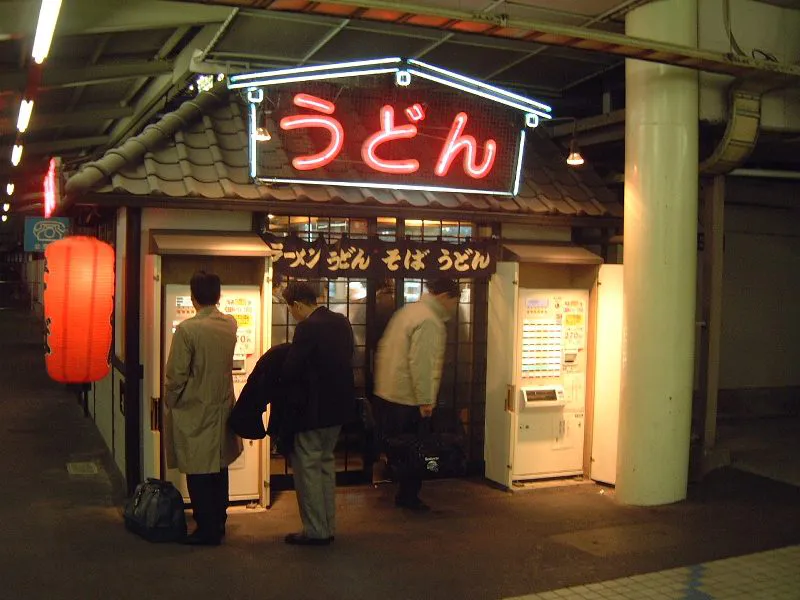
[[62, 536]]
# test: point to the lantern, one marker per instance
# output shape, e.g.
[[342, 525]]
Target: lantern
[[78, 304]]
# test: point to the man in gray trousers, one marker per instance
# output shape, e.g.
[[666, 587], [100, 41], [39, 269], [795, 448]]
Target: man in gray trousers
[[319, 371]]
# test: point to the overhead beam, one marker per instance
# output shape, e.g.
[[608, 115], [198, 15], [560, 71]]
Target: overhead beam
[[56, 120], [54, 147], [81, 17], [54, 77], [582, 125], [548, 34], [586, 23], [161, 89]]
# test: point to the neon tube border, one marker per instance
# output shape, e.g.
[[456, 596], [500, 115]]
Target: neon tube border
[[350, 69], [296, 70], [385, 186], [480, 84]]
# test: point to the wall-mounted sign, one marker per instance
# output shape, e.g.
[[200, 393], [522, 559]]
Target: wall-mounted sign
[[376, 258], [386, 123], [40, 232]]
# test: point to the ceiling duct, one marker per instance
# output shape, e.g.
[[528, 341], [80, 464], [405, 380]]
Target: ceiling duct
[[741, 133]]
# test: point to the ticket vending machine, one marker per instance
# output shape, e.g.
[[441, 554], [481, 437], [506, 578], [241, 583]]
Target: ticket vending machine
[[540, 355], [550, 383], [243, 302]]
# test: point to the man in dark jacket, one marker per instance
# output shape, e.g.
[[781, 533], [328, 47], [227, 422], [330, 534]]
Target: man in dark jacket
[[319, 367], [264, 386]]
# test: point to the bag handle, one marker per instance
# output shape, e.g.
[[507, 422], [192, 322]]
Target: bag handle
[[424, 427]]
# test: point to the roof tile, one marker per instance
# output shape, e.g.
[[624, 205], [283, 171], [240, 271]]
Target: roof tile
[[201, 150], [382, 196]]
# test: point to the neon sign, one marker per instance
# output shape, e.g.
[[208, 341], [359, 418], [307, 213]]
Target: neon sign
[[320, 159], [49, 185], [388, 133], [405, 125]]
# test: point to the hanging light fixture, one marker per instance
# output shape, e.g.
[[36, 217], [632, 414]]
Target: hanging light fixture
[[574, 159], [4, 218], [10, 189], [6, 206], [78, 304]]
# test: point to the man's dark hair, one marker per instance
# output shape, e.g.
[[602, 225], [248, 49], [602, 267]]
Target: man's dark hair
[[300, 291], [206, 288], [443, 285]]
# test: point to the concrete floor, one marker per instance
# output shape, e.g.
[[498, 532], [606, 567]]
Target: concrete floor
[[63, 536]]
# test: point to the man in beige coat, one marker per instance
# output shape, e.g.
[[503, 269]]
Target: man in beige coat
[[408, 370], [199, 397]]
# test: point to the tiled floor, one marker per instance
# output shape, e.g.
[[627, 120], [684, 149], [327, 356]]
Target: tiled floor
[[773, 575]]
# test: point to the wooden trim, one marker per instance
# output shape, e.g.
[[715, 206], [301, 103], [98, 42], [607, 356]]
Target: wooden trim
[[591, 356], [714, 227], [133, 368]]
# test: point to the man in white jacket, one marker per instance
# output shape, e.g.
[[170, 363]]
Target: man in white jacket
[[408, 370]]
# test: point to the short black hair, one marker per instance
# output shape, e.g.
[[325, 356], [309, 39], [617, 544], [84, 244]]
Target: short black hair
[[443, 285], [300, 291], [206, 288]]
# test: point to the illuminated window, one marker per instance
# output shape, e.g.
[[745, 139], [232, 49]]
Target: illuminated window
[[369, 304]]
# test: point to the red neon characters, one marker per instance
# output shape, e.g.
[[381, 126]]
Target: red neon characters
[[388, 133], [456, 141], [315, 161], [50, 189]]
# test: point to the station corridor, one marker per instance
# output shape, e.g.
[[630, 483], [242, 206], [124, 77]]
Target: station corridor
[[737, 535]]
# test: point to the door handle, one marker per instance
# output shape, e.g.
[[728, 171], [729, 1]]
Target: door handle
[[510, 398], [155, 414]]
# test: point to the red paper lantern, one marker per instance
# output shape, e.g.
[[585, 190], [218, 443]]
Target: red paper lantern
[[78, 304]]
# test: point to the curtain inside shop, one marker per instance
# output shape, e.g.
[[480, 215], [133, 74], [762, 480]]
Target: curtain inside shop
[[369, 304]]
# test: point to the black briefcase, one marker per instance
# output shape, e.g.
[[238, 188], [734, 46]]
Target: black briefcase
[[428, 454]]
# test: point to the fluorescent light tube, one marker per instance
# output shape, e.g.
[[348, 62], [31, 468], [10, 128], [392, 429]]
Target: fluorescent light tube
[[48, 16], [16, 155], [10, 189], [25, 110]]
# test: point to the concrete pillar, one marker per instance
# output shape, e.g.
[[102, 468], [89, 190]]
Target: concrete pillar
[[661, 189]]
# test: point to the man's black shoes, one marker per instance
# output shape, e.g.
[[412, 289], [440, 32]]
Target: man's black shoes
[[301, 539], [415, 505], [199, 538]]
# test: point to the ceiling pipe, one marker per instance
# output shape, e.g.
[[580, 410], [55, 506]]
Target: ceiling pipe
[[765, 173]]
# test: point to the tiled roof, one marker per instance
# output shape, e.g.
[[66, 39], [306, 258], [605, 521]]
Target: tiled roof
[[201, 151]]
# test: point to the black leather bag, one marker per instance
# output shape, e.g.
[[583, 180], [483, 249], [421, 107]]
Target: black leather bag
[[155, 512], [429, 454]]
